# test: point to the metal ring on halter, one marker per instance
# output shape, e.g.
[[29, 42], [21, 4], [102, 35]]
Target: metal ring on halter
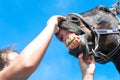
[[119, 41]]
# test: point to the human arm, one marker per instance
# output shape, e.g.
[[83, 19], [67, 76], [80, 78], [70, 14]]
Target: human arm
[[87, 67], [32, 54]]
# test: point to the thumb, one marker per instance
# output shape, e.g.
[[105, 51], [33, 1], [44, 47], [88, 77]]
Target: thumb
[[81, 57], [56, 29]]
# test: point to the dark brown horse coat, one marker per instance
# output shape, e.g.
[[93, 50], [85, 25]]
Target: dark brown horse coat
[[103, 19], [101, 29]]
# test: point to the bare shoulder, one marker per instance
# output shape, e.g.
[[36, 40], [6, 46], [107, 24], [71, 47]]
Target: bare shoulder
[[13, 73]]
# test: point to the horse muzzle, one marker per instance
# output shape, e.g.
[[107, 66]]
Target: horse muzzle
[[73, 27]]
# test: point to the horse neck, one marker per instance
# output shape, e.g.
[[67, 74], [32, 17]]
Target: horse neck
[[116, 60]]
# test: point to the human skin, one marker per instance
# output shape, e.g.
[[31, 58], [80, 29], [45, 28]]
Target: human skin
[[30, 57]]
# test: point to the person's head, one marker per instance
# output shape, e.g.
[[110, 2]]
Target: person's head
[[7, 56]]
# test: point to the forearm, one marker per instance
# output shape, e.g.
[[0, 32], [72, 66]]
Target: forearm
[[87, 67], [36, 49], [87, 76]]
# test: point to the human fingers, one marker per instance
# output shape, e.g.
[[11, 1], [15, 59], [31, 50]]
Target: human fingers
[[61, 17], [90, 59], [81, 57], [56, 18]]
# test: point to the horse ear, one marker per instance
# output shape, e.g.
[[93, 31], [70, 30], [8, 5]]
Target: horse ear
[[118, 3], [115, 8]]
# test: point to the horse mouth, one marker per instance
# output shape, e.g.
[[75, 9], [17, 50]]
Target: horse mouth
[[72, 43]]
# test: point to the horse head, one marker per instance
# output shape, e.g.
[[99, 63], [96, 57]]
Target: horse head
[[99, 30]]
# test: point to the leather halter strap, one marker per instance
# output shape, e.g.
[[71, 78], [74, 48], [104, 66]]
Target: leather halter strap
[[105, 58], [108, 31]]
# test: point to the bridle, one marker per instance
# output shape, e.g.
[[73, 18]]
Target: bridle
[[99, 56]]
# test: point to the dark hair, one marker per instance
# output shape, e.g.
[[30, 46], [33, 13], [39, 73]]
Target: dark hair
[[4, 57]]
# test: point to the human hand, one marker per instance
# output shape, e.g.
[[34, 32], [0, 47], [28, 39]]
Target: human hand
[[87, 65], [54, 21]]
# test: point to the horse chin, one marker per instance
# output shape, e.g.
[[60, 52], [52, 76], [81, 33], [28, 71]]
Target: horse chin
[[82, 47]]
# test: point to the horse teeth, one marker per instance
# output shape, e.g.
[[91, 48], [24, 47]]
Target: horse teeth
[[71, 46], [76, 41], [67, 41]]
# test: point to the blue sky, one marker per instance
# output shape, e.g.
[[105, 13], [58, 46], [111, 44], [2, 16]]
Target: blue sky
[[22, 20]]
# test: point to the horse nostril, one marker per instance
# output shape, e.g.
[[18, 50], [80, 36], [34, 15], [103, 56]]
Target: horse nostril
[[75, 19]]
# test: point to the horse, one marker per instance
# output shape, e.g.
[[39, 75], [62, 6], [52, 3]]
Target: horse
[[101, 28]]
